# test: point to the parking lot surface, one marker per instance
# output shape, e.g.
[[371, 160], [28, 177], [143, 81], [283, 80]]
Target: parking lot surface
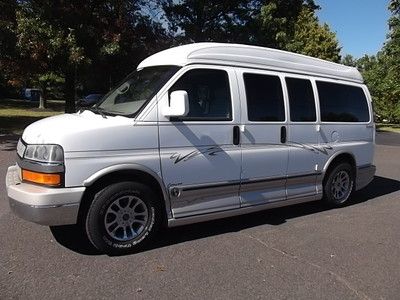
[[303, 252]]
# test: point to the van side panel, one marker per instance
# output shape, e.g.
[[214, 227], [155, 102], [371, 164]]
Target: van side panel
[[304, 150], [265, 155], [304, 153], [200, 164], [355, 138], [80, 165]]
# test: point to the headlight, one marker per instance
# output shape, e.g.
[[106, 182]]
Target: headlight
[[44, 153], [21, 148]]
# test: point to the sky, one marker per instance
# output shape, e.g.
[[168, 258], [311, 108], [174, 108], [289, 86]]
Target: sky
[[360, 25]]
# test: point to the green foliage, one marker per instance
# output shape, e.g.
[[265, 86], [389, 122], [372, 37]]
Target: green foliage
[[311, 38], [88, 46], [7, 43], [214, 20], [87, 43], [277, 21], [349, 60], [293, 26], [382, 72]]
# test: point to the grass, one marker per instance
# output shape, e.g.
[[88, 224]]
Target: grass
[[17, 114], [388, 127]]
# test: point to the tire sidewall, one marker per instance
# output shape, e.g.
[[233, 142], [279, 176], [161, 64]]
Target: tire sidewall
[[95, 227]]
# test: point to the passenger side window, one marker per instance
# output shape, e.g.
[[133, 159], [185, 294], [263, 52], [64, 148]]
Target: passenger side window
[[264, 98], [342, 103], [301, 100], [209, 95]]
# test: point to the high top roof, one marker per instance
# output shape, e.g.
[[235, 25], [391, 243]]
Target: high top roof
[[250, 56]]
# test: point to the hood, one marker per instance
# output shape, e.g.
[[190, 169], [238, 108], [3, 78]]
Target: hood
[[84, 131]]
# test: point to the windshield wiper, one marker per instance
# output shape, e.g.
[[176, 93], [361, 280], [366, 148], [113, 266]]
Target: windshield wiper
[[96, 110]]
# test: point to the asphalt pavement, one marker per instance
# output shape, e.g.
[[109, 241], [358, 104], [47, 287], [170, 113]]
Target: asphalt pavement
[[300, 252]]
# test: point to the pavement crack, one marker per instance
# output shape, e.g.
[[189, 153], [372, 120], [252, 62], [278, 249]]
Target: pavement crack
[[339, 278]]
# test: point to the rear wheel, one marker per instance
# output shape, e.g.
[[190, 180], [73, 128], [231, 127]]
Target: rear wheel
[[123, 217], [339, 184]]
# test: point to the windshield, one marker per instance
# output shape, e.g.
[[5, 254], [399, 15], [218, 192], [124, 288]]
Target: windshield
[[136, 90]]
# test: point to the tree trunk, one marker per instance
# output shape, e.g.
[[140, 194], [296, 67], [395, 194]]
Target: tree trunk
[[43, 97], [42, 100], [70, 91]]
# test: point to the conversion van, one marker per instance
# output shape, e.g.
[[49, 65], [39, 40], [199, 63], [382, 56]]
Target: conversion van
[[197, 132]]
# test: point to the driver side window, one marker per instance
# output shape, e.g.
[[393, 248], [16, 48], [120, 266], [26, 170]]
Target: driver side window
[[209, 95]]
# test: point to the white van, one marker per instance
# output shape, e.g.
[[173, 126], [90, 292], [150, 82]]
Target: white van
[[198, 132]]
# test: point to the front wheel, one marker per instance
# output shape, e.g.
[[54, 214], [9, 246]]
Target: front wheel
[[123, 217], [339, 185]]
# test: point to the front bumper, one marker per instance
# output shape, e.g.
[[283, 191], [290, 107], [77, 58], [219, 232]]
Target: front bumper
[[42, 205], [364, 176]]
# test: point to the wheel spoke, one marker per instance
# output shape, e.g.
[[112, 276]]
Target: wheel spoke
[[136, 205], [125, 233], [143, 214], [130, 200], [112, 226], [124, 199], [118, 204], [139, 221], [134, 232], [126, 218], [115, 228], [340, 185], [115, 207], [110, 218]]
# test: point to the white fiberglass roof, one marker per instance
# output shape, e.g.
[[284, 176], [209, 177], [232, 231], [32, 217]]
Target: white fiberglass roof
[[250, 56]]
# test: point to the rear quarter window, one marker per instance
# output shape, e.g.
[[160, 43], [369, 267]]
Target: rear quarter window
[[342, 103]]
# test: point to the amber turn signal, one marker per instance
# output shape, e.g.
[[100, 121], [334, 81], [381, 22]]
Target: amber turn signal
[[41, 178]]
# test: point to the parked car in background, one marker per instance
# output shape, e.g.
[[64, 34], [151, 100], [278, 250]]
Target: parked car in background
[[31, 94], [89, 100]]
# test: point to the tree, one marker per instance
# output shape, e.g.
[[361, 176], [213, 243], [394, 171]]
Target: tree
[[7, 43], [214, 20], [382, 72], [277, 21], [79, 40], [44, 46], [313, 39], [349, 60], [292, 25], [391, 87]]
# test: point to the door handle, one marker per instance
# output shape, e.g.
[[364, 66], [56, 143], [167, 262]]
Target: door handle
[[283, 134], [236, 135]]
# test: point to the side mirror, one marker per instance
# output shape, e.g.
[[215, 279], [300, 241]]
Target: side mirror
[[179, 105]]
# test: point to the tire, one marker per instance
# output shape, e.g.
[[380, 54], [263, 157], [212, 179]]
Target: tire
[[339, 185], [123, 218]]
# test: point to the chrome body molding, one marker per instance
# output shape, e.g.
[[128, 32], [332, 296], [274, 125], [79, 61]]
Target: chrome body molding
[[201, 199], [195, 199], [240, 211], [42, 205]]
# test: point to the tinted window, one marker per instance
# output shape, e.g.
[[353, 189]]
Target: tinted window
[[209, 94], [301, 100], [342, 103], [264, 98]]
